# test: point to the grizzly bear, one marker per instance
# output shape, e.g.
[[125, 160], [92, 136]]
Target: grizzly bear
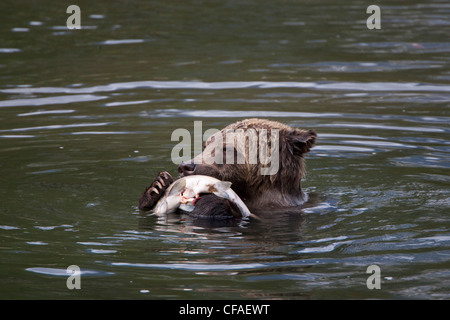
[[263, 159]]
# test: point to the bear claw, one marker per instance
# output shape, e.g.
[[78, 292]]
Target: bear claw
[[153, 189], [154, 192]]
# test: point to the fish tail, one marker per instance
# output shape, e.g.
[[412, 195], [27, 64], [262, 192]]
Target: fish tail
[[221, 188]]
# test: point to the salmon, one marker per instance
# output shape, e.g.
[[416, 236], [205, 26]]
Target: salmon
[[184, 192]]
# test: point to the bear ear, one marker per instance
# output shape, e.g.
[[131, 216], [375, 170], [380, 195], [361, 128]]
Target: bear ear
[[301, 141]]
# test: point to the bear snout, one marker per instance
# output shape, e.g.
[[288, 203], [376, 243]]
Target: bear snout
[[187, 168]]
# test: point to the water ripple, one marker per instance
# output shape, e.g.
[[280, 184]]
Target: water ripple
[[58, 126], [64, 273], [50, 100], [122, 41], [329, 85], [192, 266], [385, 258]]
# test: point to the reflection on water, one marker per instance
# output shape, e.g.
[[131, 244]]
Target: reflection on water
[[86, 119]]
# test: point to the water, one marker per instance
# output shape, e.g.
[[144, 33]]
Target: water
[[86, 119]]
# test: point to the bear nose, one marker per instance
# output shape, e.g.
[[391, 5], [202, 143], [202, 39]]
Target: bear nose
[[186, 168]]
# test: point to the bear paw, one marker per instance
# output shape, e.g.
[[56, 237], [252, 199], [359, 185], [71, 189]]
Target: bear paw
[[155, 191]]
